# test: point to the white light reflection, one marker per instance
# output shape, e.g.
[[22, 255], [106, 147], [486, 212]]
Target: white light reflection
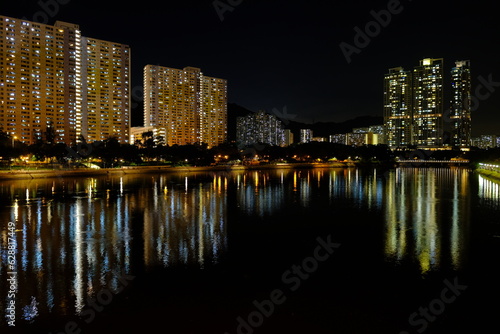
[[416, 216], [76, 221]]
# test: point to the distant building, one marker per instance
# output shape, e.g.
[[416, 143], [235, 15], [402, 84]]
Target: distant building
[[261, 128], [338, 138], [485, 141], [355, 139], [189, 106], [364, 136], [379, 131], [136, 134], [371, 138], [460, 113], [288, 137], [305, 135], [360, 130], [319, 139]]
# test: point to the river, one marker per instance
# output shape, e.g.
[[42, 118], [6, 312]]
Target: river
[[340, 250]]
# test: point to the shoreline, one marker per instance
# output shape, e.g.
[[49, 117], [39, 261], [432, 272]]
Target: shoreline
[[494, 176], [130, 170]]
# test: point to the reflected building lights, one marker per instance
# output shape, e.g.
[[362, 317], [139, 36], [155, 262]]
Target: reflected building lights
[[418, 222], [182, 221], [488, 192]]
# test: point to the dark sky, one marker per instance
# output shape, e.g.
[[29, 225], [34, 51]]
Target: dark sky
[[278, 54]]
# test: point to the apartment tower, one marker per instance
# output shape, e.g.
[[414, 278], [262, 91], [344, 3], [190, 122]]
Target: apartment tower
[[460, 112], [260, 128], [428, 103], [413, 105], [398, 100], [56, 86], [185, 106]]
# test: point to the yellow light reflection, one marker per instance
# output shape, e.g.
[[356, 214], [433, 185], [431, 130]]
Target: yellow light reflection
[[416, 216]]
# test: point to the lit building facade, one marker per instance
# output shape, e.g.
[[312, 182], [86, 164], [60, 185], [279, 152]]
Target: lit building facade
[[186, 106], [288, 137], [106, 86], [379, 131], [485, 141], [136, 133], [398, 107], [338, 138], [260, 128], [305, 135], [460, 112], [355, 139], [414, 102], [428, 103], [42, 79]]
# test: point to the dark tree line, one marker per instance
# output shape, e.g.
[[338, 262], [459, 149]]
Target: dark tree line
[[153, 151]]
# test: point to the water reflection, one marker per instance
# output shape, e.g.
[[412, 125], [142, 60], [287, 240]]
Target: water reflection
[[489, 192], [76, 237], [184, 225], [427, 212]]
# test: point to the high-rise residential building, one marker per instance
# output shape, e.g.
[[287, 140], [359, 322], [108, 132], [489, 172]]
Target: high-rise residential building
[[460, 112], [43, 89], [106, 86], [185, 106], [305, 135], [260, 128], [413, 105], [428, 103], [398, 101]]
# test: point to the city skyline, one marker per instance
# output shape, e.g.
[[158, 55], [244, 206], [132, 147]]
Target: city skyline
[[263, 49]]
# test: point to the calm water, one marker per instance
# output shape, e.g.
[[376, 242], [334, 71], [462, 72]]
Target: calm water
[[193, 252]]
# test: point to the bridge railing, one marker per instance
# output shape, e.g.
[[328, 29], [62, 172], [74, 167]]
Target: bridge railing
[[487, 166], [435, 161]]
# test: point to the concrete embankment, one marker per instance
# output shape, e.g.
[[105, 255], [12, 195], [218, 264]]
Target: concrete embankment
[[56, 173]]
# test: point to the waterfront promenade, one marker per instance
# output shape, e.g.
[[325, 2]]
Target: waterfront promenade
[[127, 170]]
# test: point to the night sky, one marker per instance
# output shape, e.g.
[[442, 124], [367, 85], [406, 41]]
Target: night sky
[[278, 54]]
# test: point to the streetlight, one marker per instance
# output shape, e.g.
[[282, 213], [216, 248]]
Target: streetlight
[[13, 138]]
